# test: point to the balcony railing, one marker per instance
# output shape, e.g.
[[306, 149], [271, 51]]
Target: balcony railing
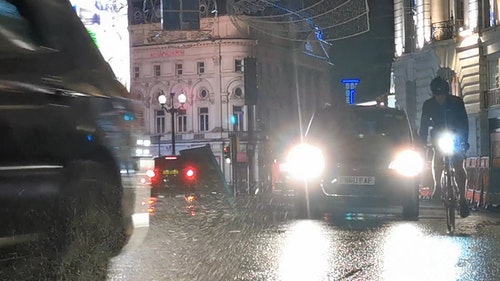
[[445, 30], [493, 97]]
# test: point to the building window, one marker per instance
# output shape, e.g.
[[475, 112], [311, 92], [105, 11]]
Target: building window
[[201, 67], [493, 79], [182, 123], [203, 94], [460, 12], [493, 13], [237, 118], [178, 69], [238, 65], [238, 92], [136, 72], [203, 113], [181, 14], [160, 122], [157, 70]]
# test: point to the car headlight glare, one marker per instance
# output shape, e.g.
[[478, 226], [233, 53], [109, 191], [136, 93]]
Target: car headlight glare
[[407, 163], [305, 162]]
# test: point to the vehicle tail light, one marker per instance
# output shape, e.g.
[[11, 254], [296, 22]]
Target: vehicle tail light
[[190, 198], [152, 201], [190, 173], [154, 176]]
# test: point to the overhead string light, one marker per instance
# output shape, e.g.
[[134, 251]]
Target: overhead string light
[[324, 20]]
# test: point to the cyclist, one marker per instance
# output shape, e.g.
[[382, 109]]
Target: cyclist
[[440, 111]]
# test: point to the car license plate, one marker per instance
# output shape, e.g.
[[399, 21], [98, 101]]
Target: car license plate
[[170, 172], [356, 180]]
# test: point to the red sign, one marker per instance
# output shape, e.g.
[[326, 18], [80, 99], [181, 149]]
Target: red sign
[[173, 53]]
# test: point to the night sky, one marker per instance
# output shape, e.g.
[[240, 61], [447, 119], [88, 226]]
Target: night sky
[[367, 56]]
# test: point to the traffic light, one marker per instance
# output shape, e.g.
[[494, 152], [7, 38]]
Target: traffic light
[[227, 153], [235, 121]]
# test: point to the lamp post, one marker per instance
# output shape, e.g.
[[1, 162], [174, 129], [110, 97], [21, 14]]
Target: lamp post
[[172, 110]]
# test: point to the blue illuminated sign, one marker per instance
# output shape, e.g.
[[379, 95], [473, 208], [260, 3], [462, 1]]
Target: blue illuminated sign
[[350, 89], [352, 92], [346, 81]]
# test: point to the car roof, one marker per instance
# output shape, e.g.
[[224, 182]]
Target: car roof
[[344, 111], [381, 109], [363, 108]]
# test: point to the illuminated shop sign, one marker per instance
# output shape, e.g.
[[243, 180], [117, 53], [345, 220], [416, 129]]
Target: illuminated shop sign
[[107, 24], [175, 53]]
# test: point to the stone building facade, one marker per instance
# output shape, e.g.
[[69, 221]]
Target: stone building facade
[[207, 65], [458, 40]]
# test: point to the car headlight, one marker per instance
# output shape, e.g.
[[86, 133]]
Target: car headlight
[[407, 163], [305, 162], [446, 143]]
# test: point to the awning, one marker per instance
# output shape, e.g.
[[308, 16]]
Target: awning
[[241, 157]]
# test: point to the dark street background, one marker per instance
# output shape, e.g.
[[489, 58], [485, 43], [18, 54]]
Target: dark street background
[[367, 57]]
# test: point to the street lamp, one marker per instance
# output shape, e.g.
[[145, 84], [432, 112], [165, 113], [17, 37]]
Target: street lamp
[[172, 110]]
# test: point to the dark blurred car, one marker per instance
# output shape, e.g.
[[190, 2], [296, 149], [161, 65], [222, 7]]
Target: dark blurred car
[[193, 178], [173, 175], [195, 170], [356, 156], [73, 194]]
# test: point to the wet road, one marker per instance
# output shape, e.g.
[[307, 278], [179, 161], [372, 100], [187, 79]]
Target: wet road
[[224, 240]]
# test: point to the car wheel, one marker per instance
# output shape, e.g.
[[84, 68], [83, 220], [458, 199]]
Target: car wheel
[[92, 227], [411, 206]]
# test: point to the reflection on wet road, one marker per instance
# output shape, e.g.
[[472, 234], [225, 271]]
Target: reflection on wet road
[[244, 241]]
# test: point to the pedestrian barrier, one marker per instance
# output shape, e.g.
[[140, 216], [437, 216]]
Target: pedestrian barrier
[[472, 168], [426, 185], [426, 182], [477, 179]]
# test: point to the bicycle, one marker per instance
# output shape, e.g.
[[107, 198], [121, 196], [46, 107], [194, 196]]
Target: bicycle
[[447, 145]]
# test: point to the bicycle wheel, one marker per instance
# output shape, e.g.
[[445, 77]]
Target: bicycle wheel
[[449, 198], [449, 208]]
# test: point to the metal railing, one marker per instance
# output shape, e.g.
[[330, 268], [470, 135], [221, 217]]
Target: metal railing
[[445, 30], [493, 97]]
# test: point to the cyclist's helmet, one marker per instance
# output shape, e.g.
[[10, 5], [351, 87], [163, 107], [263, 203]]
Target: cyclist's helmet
[[439, 86]]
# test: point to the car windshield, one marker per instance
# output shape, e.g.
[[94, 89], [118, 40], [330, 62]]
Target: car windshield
[[360, 122]]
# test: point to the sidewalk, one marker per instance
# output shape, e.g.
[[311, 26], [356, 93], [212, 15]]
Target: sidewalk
[[491, 208]]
